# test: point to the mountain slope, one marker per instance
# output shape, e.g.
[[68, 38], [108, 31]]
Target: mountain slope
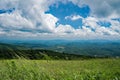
[[8, 51], [91, 48]]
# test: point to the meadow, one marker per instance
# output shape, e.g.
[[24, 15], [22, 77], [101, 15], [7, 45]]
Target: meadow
[[91, 69]]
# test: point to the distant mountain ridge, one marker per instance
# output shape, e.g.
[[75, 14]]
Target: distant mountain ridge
[[8, 51], [97, 48]]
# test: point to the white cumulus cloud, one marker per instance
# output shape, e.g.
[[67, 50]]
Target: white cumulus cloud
[[29, 20], [101, 8]]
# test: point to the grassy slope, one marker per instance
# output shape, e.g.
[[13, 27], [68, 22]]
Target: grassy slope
[[93, 69]]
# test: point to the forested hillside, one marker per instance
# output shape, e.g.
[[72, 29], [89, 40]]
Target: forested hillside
[[8, 51]]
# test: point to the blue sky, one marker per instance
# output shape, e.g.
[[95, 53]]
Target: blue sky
[[2, 11], [67, 9], [69, 19]]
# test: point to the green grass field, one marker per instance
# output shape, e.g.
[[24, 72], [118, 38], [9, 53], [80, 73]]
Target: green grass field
[[93, 69]]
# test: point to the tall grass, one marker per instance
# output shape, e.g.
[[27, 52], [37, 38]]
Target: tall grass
[[94, 69]]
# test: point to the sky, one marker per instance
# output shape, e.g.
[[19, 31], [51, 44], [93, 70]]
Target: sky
[[60, 19]]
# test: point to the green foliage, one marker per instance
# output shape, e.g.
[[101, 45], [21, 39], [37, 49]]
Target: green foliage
[[94, 69]]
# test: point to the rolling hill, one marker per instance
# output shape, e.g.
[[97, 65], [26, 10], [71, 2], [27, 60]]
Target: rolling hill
[[98, 48], [8, 51]]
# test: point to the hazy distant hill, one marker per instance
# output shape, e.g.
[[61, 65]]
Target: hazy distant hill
[[91, 48], [8, 51]]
